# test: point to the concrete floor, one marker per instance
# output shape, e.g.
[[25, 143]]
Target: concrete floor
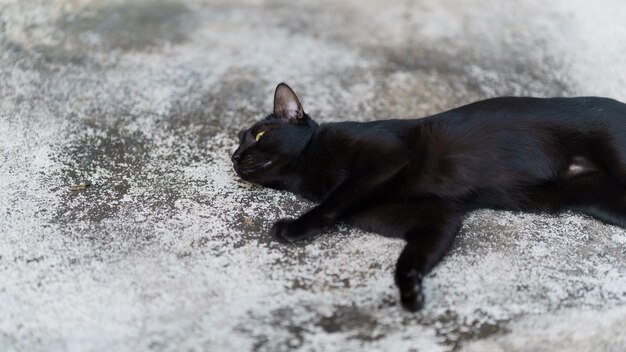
[[168, 250]]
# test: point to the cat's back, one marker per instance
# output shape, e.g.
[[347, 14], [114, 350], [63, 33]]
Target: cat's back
[[575, 110], [528, 138], [529, 120]]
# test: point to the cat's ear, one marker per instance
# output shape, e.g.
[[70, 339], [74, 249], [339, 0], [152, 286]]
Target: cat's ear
[[286, 104]]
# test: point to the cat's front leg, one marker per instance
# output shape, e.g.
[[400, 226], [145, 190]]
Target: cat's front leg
[[356, 188], [306, 226], [427, 243], [427, 224]]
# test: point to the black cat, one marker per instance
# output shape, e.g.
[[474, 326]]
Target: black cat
[[416, 178]]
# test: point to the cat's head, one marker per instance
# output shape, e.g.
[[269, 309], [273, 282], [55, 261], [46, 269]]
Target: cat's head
[[267, 150]]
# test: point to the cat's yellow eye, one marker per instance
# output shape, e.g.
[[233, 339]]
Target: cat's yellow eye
[[258, 135]]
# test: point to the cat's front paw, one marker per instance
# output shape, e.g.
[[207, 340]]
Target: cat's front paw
[[412, 300], [290, 230]]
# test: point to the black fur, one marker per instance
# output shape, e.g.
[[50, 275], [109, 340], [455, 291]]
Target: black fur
[[416, 178]]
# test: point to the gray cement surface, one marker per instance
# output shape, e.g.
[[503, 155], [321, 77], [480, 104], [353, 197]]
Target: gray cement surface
[[167, 249]]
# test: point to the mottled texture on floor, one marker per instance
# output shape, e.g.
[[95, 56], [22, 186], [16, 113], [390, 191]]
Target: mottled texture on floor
[[167, 249]]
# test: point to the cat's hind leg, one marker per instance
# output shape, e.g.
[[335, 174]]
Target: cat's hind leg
[[428, 225], [597, 196], [583, 187]]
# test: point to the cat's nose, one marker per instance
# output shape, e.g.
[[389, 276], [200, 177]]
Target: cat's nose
[[235, 157]]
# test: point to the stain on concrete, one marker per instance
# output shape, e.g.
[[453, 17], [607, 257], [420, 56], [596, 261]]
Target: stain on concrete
[[420, 73], [3, 27], [455, 331], [133, 25], [236, 103], [349, 319], [80, 34], [110, 161]]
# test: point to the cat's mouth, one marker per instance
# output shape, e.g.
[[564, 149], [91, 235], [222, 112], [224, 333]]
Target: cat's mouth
[[246, 171]]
